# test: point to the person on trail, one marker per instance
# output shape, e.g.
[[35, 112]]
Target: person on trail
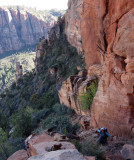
[[103, 135]]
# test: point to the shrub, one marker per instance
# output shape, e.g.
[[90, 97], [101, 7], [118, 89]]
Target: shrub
[[62, 110], [77, 144], [5, 150], [50, 99], [3, 121], [8, 147], [22, 122], [4, 147], [90, 148], [75, 71], [61, 124], [37, 116], [2, 95], [87, 98], [20, 81], [13, 86], [34, 98], [16, 144]]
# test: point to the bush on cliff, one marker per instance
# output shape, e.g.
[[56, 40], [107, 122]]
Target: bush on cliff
[[22, 123], [9, 146], [60, 120], [86, 98]]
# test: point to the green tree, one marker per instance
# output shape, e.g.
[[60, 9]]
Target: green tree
[[86, 98], [4, 146], [22, 122]]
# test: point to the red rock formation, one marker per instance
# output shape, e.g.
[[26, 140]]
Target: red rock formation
[[108, 41], [72, 21], [20, 27], [40, 51], [72, 88]]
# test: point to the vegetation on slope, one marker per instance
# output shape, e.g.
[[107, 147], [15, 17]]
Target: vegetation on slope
[[91, 148], [35, 99], [8, 65], [86, 98]]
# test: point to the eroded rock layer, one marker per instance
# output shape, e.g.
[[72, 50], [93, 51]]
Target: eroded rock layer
[[107, 33]]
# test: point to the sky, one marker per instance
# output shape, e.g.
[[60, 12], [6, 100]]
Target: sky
[[39, 4]]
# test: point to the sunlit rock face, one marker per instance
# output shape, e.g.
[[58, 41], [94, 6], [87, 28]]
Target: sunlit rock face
[[19, 28], [73, 20], [107, 37]]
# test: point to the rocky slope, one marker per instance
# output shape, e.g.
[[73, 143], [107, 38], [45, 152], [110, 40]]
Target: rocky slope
[[106, 31], [22, 26]]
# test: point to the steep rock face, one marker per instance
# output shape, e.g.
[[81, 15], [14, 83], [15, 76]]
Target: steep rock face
[[114, 104], [73, 20], [106, 29], [19, 28]]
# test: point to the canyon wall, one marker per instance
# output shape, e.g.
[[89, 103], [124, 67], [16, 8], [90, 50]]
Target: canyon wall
[[19, 27], [72, 23], [107, 37]]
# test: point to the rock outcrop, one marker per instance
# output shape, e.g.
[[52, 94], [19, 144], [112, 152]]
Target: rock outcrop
[[46, 42], [19, 71], [128, 151], [71, 154], [43, 147], [19, 28], [72, 88], [106, 30], [41, 144]]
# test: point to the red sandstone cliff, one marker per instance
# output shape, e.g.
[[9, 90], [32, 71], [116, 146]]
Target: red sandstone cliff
[[20, 27], [105, 28]]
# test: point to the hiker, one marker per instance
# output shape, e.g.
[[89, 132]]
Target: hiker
[[103, 135]]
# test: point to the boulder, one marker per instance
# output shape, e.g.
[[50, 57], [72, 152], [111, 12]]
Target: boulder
[[128, 151], [71, 154], [35, 143], [19, 155], [85, 122]]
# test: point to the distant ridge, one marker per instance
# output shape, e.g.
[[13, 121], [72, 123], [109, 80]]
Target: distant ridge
[[22, 26]]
